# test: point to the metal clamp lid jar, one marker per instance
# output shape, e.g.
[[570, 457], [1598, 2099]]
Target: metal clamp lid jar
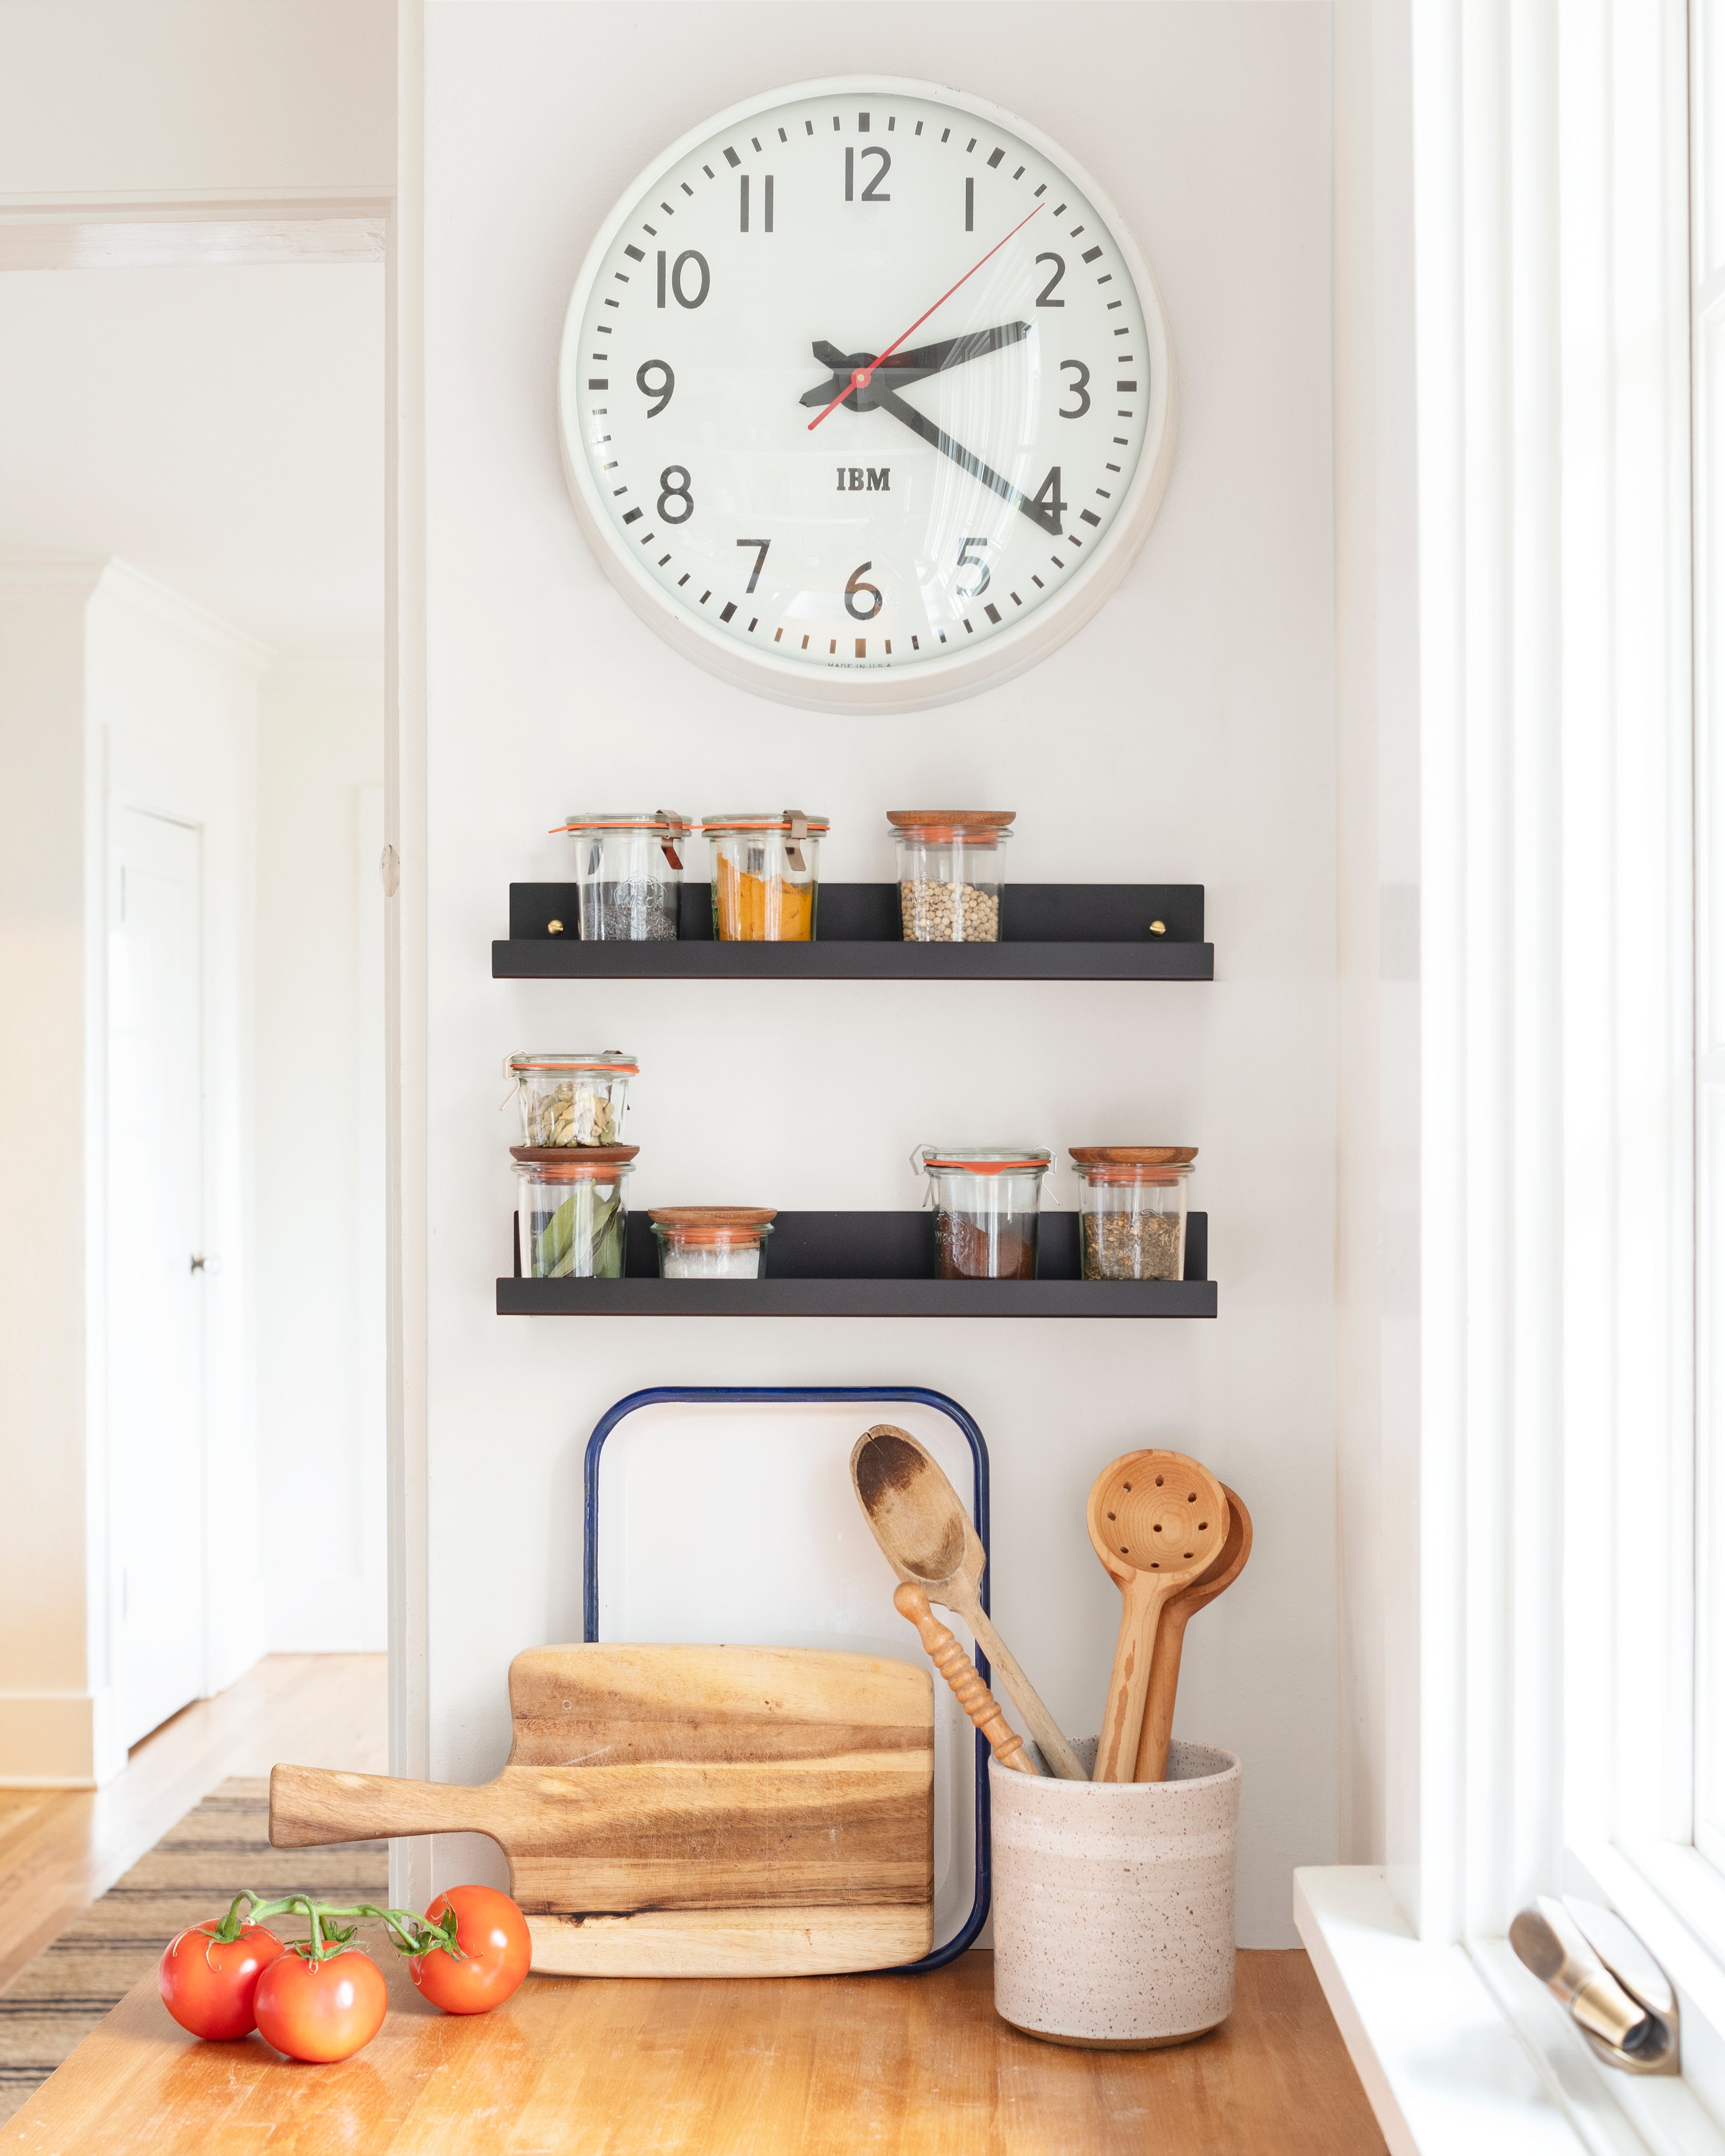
[[712, 1242], [987, 1209], [1131, 1210], [572, 1096], [765, 875], [629, 871], [950, 872]]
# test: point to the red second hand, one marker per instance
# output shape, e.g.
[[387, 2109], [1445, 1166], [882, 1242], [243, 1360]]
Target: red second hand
[[863, 376]]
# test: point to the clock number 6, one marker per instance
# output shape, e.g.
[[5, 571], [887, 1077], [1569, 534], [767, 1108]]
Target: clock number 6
[[680, 492], [661, 389], [1080, 387], [678, 267], [760, 545], [854, 591], [966, 560]]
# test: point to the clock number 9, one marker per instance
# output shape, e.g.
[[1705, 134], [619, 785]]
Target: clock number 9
[[680, 492], [854, 591], [661, 389], [1080, 388], [678, 267]]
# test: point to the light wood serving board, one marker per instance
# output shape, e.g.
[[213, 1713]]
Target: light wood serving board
[[686, 1810]]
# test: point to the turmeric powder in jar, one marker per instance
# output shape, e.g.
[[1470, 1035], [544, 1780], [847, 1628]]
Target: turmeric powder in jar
[[765, 880]]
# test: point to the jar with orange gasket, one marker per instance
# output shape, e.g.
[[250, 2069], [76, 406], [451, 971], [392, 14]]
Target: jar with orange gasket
[[1131, 1210], [950, 872], [571, 1096], [765, 875], [987, 1208], [712, 1242]]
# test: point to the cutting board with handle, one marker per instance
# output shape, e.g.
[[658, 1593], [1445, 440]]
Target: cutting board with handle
[[686, 1810]]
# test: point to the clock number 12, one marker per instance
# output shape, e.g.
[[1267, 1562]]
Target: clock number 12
[[869, 194]]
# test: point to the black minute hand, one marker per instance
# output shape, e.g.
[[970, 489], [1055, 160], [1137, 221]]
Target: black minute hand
[[920, 424], [927, 359]]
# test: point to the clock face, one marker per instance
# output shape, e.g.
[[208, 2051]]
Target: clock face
[[865, 395]]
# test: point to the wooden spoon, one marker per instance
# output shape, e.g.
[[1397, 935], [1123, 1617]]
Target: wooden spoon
[[1158, 1521], [962, 1675], [926, 1536], [1226, 1568]]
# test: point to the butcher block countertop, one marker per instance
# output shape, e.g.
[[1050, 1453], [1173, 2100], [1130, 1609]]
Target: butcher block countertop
[[787, 2067]]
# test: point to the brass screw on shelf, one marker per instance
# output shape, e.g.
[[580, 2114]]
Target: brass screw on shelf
[[1158, 928], [554, 928]]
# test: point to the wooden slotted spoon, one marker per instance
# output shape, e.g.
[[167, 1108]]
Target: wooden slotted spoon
[[1158, 1521], [1225, 1568], [926, 1536]]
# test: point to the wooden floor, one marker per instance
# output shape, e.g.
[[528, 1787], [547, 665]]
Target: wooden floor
[[825, 2067], [808, 2066], [60, 1849]]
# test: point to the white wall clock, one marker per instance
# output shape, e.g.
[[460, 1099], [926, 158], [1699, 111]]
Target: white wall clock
[[866, 395]]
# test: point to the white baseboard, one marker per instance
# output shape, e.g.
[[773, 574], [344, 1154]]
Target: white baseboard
[[58, 1740]]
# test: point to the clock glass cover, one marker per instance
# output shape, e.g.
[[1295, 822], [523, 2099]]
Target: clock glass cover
[[866, 381]]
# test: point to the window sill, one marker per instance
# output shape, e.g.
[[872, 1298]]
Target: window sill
[[1462, 2052]]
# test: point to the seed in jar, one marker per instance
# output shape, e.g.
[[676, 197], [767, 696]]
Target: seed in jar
[[936, 912], [1132, 1246], [571, 1114]]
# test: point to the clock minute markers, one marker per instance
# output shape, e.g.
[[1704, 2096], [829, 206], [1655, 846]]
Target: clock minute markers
[[860, 379]]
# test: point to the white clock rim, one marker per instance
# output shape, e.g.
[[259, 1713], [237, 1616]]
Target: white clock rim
[[931, 682]]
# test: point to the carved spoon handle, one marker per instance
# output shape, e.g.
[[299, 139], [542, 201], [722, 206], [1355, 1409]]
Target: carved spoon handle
[[960, 1672]]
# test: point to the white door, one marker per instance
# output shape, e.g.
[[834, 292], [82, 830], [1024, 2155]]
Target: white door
[[155, 1232]]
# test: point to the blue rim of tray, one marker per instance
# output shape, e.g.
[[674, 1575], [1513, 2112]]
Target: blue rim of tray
[[653, 1397]]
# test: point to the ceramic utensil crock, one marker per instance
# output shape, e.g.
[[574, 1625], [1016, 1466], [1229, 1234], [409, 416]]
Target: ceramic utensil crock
[[1114, 1901]]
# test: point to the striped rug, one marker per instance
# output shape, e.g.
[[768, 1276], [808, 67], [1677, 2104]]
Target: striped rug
[[191, 1874]]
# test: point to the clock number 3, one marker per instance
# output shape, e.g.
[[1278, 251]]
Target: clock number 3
[[681, 492], [870, 190], [1080, 388], [966, 560], [854, 591]]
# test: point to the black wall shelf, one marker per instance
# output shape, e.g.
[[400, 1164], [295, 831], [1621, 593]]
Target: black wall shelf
[[1050, 931], [869, 1264]]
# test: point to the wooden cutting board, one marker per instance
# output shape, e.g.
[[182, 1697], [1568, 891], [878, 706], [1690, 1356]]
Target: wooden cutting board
[[686, 1811]]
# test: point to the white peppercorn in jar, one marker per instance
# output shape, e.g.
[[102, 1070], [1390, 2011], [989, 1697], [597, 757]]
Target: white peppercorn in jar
[[950, 872], [1131, 1210]]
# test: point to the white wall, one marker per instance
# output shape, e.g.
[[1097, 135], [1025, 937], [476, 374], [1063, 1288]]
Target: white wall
[[112, 98], [112, 688], [320, 1317], [1187, 734]]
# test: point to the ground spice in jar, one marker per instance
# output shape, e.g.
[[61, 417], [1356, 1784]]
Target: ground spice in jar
[[1130, 1246], [936, 912], [763, 909], [967, 1251]]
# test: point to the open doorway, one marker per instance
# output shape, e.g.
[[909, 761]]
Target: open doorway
[[192, 496]]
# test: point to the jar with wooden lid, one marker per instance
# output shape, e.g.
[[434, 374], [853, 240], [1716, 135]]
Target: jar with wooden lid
[[712, 1242], [987, 1205], [765, 873], [628, 872], [570, 1219], [1131, 1210], [950, 872], [572, 1096]]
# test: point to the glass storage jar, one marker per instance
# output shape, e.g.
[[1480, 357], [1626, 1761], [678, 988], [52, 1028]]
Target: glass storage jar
[[950, 872], [764, 875], [987, 1209], [573, 1096], [712, 1242], [1131, 1210], [629, 869], [571, 1220]]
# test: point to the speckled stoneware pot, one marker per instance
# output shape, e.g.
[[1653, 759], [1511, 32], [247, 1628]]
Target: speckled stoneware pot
[[1114, 1901]]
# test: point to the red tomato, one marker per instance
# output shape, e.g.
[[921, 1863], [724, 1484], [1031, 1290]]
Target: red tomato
[[208, 1985], [322, 2010], [495, 1950]]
